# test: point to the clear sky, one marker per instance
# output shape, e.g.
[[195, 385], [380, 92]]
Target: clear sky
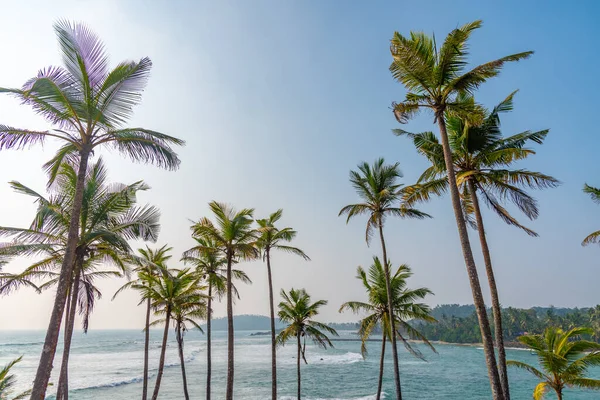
[[278, 100]]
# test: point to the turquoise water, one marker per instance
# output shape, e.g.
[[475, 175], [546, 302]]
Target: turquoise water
[[108, 365]]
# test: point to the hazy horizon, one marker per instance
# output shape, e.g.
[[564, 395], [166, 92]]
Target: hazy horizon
[[278, 101]]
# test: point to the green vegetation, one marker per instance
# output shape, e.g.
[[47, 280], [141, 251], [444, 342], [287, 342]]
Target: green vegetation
[[298, 312], [437, 80], [405, 309], [455, 324], [377, 187], [7, 382], [82, 229], [564, 360]]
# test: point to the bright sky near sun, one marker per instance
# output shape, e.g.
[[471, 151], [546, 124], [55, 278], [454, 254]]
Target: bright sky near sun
[[278, 100]]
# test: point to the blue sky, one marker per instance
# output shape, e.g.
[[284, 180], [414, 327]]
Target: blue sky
[[279, 100]]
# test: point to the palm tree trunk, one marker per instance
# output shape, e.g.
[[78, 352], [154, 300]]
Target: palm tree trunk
[[59, 393], [381, 363], [559, 394], [273, 347], [298, 363], [208, 339], [388, 288], [163, 350], [484, 323], [42, 376], [146, 350], [182, 361], [230, 333], [496, 310], [63, 381]]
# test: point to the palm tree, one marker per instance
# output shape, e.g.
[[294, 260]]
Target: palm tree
[[269, 239], [297, 310], [211, 265], [482, 161], [563, 358], [7, 382], [595, 195], [110, 216], [148, 263], [167, 290], [405, 309], [187, 305], [436, 79], [376, 186], [234, 237], [87, 104]]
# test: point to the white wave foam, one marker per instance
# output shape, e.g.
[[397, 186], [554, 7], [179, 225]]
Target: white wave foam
[[348, 358], [371, 397]]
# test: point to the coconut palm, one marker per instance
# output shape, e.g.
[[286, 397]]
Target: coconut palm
[[595, 195], [297, 310], [406, 309], [235, 239], [8, 380], [188, 304], [436, 79], [483, 160], [211, 266], [167, 290], [110, 216], [564, 360], [148, 263], [271, 238], [87, 105], [377, 187]]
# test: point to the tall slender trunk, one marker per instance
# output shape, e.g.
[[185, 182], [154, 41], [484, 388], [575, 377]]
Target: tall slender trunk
[[59, 393], [559, 395], [163, 350], [146, 350], [230, 335], [273, 347], [496, 310], [208, 339], [179, 335], [44, 370], [388, 287], [381, 363], [63, 382], [484, 323], [298, 364]]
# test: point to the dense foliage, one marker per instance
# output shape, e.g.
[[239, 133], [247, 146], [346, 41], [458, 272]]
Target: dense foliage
[[454, 326]]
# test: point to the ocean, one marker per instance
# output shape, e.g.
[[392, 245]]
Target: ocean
[[108, 365]]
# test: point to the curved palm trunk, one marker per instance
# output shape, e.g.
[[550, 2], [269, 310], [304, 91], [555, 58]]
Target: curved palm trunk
[[381, 363], [273, 345], [182, 360], [388, 288], [208, 340], [42, 376], [63, 382], [230, 360], [496, 310], [484, 323], [298, 363], [163, 350], [146, 350]]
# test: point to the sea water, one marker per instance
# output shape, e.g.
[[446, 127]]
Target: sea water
[[109, 365]]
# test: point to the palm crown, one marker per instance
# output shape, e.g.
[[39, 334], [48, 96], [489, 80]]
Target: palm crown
[[270, 237], [88, 104], [481, 155], [377, 187], [297, 310], [595, 195], [564, 360], [405, 305], [211, 266], [8, 381], [435, 78]]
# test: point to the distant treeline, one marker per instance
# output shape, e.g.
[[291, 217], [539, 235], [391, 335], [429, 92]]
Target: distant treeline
[[458, 323]]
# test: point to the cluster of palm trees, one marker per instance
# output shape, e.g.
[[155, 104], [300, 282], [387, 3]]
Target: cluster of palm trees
[[81, 230]]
